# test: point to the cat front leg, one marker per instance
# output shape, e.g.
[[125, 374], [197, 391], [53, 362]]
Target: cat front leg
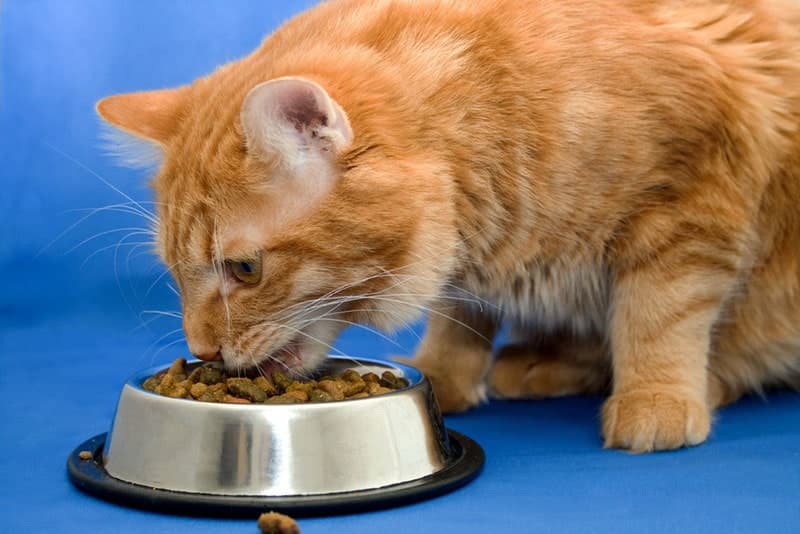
[[455, 355], [660, 332]]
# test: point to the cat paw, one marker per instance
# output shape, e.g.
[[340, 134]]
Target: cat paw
[[645, 420], [523, 374], [453, 396], [519, 378]]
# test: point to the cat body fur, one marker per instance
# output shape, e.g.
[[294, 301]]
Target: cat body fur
[[622, 177]]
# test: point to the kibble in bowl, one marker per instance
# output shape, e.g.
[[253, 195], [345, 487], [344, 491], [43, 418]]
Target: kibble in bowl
[[210, 383]]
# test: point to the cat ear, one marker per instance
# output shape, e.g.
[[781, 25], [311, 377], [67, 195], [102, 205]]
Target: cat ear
[[294, 120], [152, 115]]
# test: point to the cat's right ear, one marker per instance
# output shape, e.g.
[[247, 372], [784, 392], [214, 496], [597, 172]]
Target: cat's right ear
[[294, 122], [149, 115]]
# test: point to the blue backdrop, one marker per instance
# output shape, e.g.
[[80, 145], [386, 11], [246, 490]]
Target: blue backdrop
[[79, 283]]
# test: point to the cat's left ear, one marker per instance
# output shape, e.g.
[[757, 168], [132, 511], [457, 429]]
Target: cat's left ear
[[294, 120], [149, 115]]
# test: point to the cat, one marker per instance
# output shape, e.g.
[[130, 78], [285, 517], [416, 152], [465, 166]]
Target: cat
[[616, 181]]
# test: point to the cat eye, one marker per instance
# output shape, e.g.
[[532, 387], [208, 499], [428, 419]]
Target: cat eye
[[246, 271]]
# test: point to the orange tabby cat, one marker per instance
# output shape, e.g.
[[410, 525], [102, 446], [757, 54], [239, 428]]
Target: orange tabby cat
[[618, 180]]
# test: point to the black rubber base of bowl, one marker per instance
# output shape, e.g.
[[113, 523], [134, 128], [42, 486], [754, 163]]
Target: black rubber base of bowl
[[91, 477]]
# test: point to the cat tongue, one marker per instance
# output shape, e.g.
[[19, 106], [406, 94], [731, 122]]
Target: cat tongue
[[267, 366]]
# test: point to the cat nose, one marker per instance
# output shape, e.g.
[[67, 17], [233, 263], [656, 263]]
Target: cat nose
[[208, 354]]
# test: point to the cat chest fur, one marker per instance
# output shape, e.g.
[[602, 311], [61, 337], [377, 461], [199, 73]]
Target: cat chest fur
[[563, 293]]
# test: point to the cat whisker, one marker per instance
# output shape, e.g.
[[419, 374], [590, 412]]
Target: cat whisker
[[92, 211], [220, 272], [308, 306], [152, 245], [114, 264], [131, 206], [133, 229], [407, 327], [305, 334], [328, 298], [172, 288], [168, 345], [162, 275], [428, 309], [363, 327], [161, 338], [176, 315], [117, 245], [348, 285], [334, 303], [142, 211], [126, 207], [144, 323]]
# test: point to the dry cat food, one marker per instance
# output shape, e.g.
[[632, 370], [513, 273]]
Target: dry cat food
[[210, 383], [275, 523], [85, 455]]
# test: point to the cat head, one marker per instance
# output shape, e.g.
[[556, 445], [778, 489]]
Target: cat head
[[282, 221]]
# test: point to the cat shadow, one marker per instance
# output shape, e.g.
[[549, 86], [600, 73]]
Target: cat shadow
[[572, 424], [775, 414], [566, 424]]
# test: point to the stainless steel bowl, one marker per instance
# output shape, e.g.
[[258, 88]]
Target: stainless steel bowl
[[278, 450], [185, 456]]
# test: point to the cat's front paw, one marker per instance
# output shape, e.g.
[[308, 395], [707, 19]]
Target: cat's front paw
[[453, 392], [645, 420]]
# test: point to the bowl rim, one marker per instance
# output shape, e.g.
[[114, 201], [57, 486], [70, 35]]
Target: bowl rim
[[91, 477], [412, 374]]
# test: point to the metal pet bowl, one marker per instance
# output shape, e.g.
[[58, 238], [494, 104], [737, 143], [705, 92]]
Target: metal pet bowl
[[185, 456]]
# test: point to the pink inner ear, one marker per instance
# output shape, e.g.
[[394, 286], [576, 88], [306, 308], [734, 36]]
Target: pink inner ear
[[291, 118], [302, 110]]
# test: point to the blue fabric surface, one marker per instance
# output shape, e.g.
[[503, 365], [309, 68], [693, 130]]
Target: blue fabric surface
[[74, 319]]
